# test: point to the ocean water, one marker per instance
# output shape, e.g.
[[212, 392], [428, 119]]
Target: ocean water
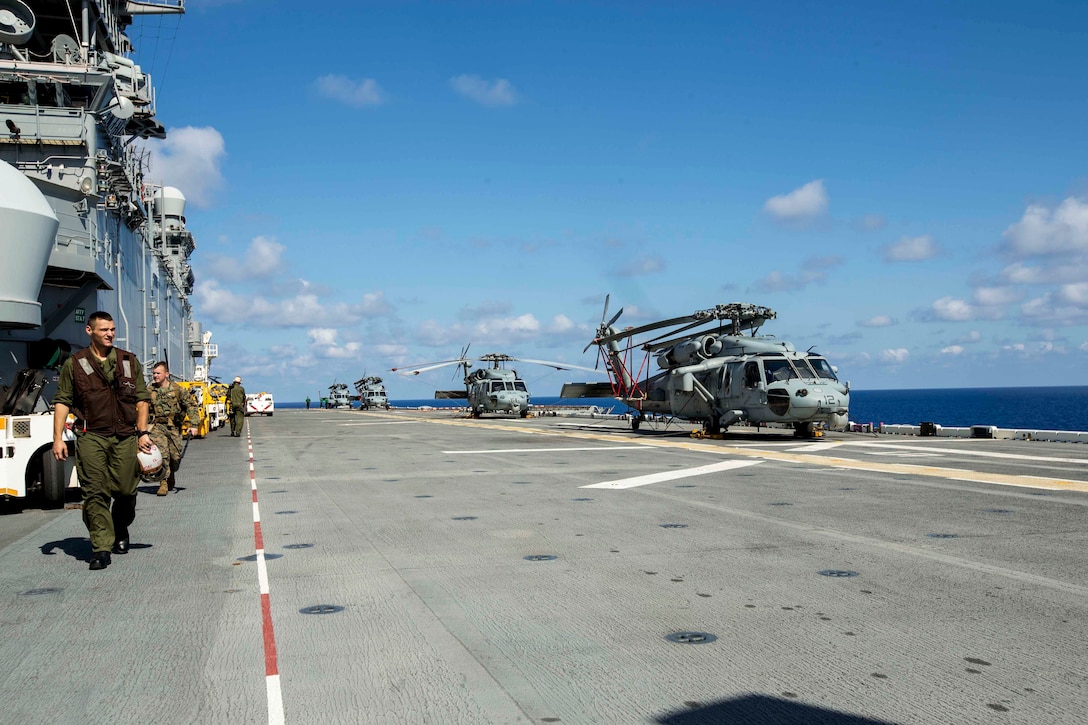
[[1054, 408]]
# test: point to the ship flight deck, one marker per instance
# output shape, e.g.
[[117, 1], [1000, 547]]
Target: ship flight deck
[[420, 567]]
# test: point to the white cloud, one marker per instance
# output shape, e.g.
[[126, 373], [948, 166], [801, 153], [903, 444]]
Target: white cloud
[[996, 296], [805, 203], [972, 336], [878, 321], [895, 356], [499, 92], [365, 92], [1042, 231], [952, 350], [322, 335], [561, 324], [374, 305], [491, 331], [1074, 294], [642, 266], [1054, 308], [812, 270], [189, 158], [304, 309], [953, 310], [263, 257], [911, 249]]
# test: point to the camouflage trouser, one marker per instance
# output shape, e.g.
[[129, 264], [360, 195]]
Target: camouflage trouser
[[168, 440], [107, 469]]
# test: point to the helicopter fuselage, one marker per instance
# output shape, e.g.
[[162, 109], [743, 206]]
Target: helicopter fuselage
[[726, 379], [497, 390]]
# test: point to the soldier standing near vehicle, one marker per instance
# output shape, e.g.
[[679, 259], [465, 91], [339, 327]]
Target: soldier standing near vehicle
[[169, 408], [237, 397], [104, 386]]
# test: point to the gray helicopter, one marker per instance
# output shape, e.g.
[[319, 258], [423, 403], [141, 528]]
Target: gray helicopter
[[715, 373], [492, 389], [371, 392]]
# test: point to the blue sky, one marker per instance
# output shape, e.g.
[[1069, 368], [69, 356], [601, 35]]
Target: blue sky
[[375, 184]]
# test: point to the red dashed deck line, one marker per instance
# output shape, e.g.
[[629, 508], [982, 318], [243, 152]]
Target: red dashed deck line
[[274, 693]]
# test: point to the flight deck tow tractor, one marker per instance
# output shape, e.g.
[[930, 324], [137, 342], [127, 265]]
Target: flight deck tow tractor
[[714, 373], [494, 389]]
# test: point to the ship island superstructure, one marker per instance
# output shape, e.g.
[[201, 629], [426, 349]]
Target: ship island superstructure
[[83, 226]]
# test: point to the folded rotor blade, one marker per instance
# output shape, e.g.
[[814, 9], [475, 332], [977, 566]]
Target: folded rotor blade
[[556, 365]]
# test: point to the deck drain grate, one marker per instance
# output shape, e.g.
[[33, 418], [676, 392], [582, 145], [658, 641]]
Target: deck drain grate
[[287, 512], [464, 518], [321, 609], [997, 511], [253, 557], [685, 485], [943, 536], [780, 503], [691, 637], [541, 557], [846, 488], [581, 499], [837, 572], [39, 591], [673, 526], [298, 546], [425, 495], [272, 478]]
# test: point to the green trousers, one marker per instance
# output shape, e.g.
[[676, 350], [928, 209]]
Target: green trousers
[[237, 422], [107, 470]]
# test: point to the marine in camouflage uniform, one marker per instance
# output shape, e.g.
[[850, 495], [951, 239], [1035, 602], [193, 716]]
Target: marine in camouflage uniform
[[169, 407]]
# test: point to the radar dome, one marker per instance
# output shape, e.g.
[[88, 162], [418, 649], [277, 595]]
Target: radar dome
[[169, 202], [30, 227]]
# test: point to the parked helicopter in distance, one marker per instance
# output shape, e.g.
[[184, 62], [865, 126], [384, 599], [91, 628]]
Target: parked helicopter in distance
[[371, 392], [338, 396], [494, 389], [715, 374]]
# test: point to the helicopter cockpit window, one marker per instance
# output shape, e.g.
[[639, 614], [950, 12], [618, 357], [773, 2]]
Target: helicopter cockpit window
[[751, 375], [823, 368], [804, 368], [520, 385], [778, 370]]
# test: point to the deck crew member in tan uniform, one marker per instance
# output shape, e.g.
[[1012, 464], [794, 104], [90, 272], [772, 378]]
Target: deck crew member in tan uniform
[[104, 386], [169, 408]]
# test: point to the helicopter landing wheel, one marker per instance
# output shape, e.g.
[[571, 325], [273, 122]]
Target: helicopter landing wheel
[[636, 421], [714, 426], [803, 430]]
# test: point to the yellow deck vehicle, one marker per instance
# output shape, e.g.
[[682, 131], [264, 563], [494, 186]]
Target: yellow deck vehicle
[[200, 399]]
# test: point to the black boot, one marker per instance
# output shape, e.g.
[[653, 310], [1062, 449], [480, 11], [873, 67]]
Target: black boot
[[100, 560]]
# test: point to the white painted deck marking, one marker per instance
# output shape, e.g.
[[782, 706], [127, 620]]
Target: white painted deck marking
[[813, 447], [555, 450], [671, 475], [379, 422], [970, 452]]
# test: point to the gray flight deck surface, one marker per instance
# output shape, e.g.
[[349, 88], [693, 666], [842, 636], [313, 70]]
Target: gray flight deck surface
[[410, 580]]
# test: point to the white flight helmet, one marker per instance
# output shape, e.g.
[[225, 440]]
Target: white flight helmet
[[150, 463]]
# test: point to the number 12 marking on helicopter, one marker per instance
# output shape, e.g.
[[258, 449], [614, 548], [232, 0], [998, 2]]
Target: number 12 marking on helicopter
[[671, 475]]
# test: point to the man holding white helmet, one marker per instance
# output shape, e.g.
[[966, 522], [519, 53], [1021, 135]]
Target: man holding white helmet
[[105, 387]]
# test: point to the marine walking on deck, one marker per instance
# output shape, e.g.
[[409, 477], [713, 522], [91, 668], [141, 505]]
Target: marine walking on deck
[[169, 409], [236, 399], [105, 388]]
